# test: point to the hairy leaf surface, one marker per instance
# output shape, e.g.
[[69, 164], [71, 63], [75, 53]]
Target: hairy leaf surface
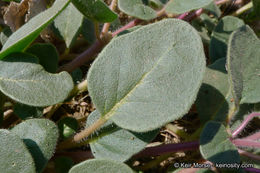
[[23, 37], [137, 9], [143, 82], [15, 157], [40, 136], [100, 166], [25, 81], [243, 65], [115, 143]]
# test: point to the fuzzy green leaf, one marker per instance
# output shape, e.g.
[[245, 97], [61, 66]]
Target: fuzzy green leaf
[[15, 157], [40, 136], [143, 82], [243, 65], [25, 81], [215, 145], [137, 9], [215, 90], [100, 166], [68, 23], [114, 143], [95, 10], [47, 54], [24, 36], [220, 36], [182, 6]]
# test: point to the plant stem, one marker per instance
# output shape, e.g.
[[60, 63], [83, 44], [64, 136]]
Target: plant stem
[[168, 148], [244, 123], [243, 9], [78, 156], [246, 143], [252, 170], [107, 25], [255, 136], [250, 155]]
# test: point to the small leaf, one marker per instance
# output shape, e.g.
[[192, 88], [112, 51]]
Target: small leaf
[[77, 75], [212, 97], [115, 143], [23, 37], [243, 65], [182, 6], [67, 127], [63, 164], [15, 157], [48, 60], [214, 9], [215, 145], [143, 82], [68, 23], [137, 9], [26, 82], [100, 166], [25, 111], [220, 36], [95, 10], [40, 136]]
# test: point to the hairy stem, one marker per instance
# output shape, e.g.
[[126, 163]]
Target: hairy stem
[[168, 148], [246, 143], [107, 25], [244, 123], [250, 155], [255, 136], [243, 9]]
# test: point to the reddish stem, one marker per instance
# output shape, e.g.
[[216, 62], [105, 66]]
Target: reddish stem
[[252, 170], [77, 156], [255, 136], [250, 155], [244, 123], [168, 148], [127, 26], [245, 143]]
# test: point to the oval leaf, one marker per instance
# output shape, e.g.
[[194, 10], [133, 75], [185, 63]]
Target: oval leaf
[[100, 166], [115, 143], [23, 37], [143, 82], [25, 111], [67, 127], [27, 82], [95, 10], [15, 157], [215, 145], [243, 65], [68, 23], [40, 136], [220, 36], [182, 6], [137, 9]]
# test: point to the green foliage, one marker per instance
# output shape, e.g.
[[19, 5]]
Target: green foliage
[[5, 34], [100, 166], [243, 65], [48, 61], [215, 145], [114, 143], [137, 9], [220, 36], [15, 157], [161, 71], [67, 127], [95, 10], [180, 6], [63, 164], [23, 37], [25, 111], [40, 136], [256, 5], [23, 80], [68, 23]]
